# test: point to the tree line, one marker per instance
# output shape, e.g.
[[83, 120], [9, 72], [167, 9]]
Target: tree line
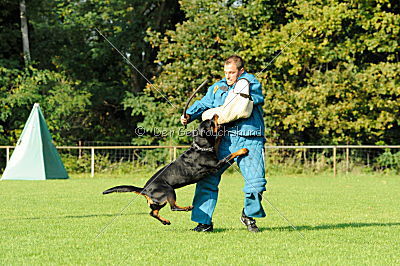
[[329, 68]]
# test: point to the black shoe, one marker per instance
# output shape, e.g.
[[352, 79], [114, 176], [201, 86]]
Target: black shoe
[[250, 223], [203, 228]]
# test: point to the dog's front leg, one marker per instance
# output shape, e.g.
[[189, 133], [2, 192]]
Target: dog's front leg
[[179, 208]]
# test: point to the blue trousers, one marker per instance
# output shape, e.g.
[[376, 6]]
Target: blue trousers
[[253, 171]]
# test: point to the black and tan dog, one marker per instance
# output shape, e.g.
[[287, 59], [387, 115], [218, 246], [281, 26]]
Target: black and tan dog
[[193, 165]]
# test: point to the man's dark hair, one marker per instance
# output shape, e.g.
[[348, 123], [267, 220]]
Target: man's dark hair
[[235, 59]]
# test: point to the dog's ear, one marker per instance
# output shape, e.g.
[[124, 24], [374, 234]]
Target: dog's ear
[[215, 118]]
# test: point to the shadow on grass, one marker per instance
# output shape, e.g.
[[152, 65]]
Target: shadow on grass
[[79, 216], [310, 228], [328, 226]]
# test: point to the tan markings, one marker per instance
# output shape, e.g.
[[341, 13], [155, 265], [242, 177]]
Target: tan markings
[[216, 127], [238, 153], [215, 118], [176, 207], [149, 200], [155, 214], [188, 208]]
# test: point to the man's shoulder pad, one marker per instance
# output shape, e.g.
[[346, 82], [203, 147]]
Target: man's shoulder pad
[[220, 85]]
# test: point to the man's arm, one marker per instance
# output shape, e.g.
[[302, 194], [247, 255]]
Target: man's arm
[[256, 91], [198, 107], [237, 104]]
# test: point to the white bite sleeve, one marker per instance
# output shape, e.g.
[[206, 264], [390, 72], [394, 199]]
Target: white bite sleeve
[[242, 86]]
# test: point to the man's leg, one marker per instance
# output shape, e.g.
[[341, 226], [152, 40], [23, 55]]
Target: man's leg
[[253, 170], [205, 199], [206, 193], [253, 205]]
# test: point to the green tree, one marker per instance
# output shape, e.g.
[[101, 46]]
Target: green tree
[[195, 50], [64, 104], [76, 48], [337, 83], [334, 83], [68, 53], [10, 35]]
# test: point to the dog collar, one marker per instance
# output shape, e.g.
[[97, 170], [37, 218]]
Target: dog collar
[[197, 147]]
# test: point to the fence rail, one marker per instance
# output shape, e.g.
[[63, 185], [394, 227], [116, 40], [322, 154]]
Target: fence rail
[[308, 155]]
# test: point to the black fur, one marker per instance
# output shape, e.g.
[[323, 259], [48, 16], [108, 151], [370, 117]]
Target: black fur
[[193, 165]]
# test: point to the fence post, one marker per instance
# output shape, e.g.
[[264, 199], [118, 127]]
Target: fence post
[[174, 153], [7, 155], [334, 161], [171, 150], [347, 160], [80, 150], [92, 162]]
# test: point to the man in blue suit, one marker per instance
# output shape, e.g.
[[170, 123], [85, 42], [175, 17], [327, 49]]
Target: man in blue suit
[[242, 133]]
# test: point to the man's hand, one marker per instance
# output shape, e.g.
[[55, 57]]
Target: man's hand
[[185, 120]]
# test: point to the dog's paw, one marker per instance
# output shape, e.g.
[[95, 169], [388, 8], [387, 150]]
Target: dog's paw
[[189, 208], [166, 222]]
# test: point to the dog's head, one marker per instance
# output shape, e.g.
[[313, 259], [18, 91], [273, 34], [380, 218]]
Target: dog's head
[[209, 127], [207, 131]]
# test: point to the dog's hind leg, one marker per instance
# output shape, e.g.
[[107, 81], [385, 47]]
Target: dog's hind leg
[[155, 209], [171, 197]]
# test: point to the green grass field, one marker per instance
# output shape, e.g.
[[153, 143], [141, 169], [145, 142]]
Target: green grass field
[[344, 220]]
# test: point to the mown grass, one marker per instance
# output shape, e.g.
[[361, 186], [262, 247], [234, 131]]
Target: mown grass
[[344, 220]]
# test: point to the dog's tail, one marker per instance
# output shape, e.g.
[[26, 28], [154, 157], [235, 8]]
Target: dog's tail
[[134, 189]]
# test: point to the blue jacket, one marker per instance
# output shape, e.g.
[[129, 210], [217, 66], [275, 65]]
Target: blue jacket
[[215, 97]]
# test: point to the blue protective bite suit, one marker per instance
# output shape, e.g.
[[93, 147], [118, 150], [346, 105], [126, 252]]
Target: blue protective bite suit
[[244, 133]]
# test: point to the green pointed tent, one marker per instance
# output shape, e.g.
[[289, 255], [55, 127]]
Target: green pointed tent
[[35, 157]]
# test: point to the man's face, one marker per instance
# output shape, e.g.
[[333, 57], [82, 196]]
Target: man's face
[[232, 73]]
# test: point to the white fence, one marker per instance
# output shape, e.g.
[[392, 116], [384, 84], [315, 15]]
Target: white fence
[[80, 151], [340, 158]]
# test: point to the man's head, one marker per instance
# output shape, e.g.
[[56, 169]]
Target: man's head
[[233, 68]]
